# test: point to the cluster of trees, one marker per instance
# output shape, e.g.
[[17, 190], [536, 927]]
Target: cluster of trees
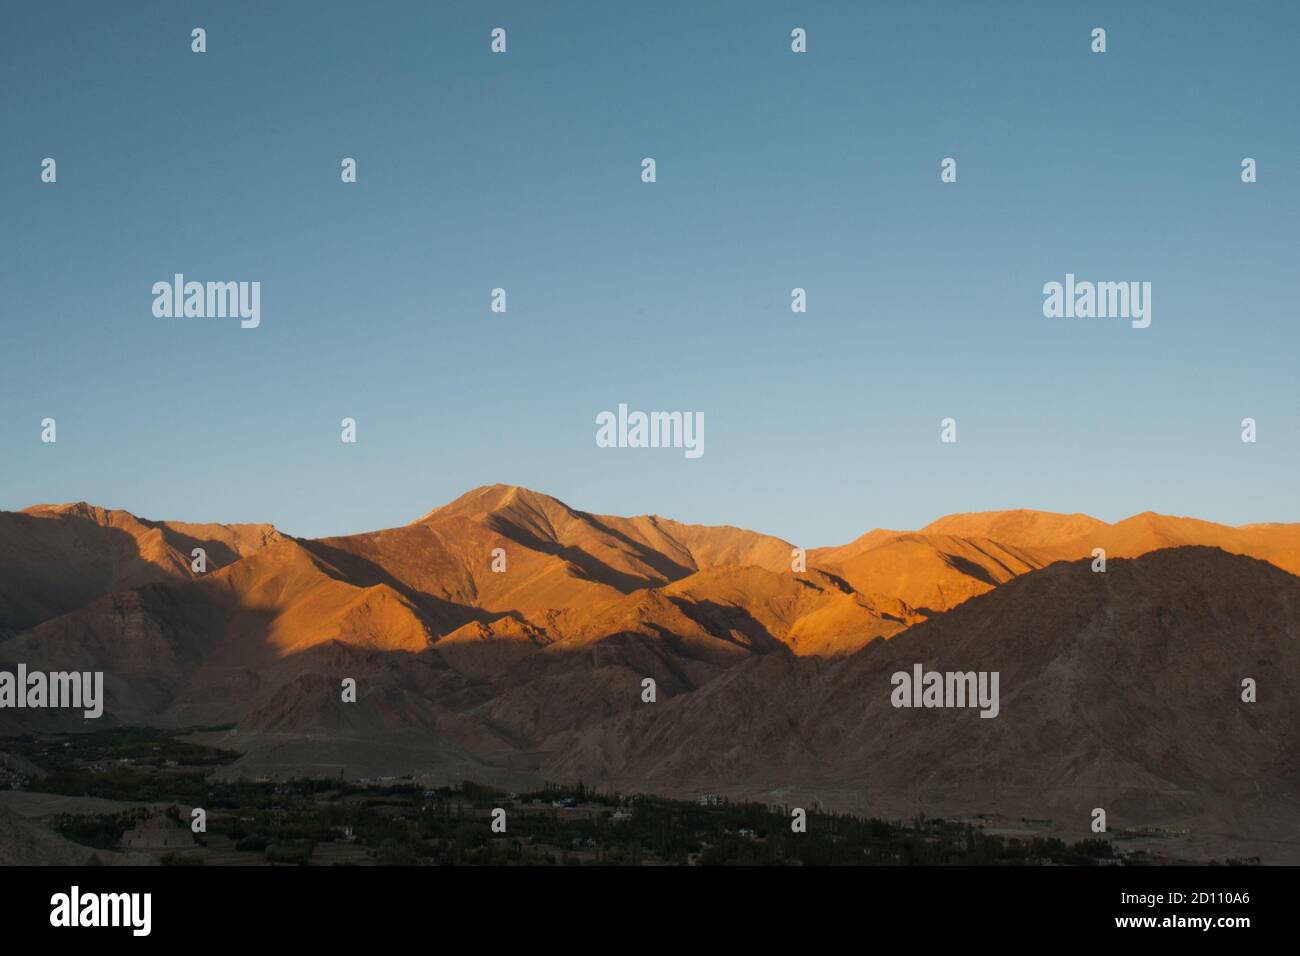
[[402, 823]]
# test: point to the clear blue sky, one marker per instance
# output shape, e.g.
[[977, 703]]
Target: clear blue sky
[[775, 171]]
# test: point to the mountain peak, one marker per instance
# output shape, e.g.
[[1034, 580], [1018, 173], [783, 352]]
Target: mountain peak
[[1020, 526], [488, 499]]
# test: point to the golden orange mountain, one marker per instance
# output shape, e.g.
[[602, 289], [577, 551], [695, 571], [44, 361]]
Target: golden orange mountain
[[536, 671], [570, 579], [57, 558]]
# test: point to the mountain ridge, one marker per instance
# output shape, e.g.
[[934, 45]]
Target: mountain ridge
[[549, 572], [770, 677]]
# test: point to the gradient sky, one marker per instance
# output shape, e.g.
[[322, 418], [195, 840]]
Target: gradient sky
[[775, 171]]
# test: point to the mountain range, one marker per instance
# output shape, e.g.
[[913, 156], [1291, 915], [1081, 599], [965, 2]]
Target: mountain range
[[505, 638]]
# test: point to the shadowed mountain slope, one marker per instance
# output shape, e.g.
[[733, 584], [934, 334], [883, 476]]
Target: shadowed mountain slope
[[57, 558], [1119, 690]]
